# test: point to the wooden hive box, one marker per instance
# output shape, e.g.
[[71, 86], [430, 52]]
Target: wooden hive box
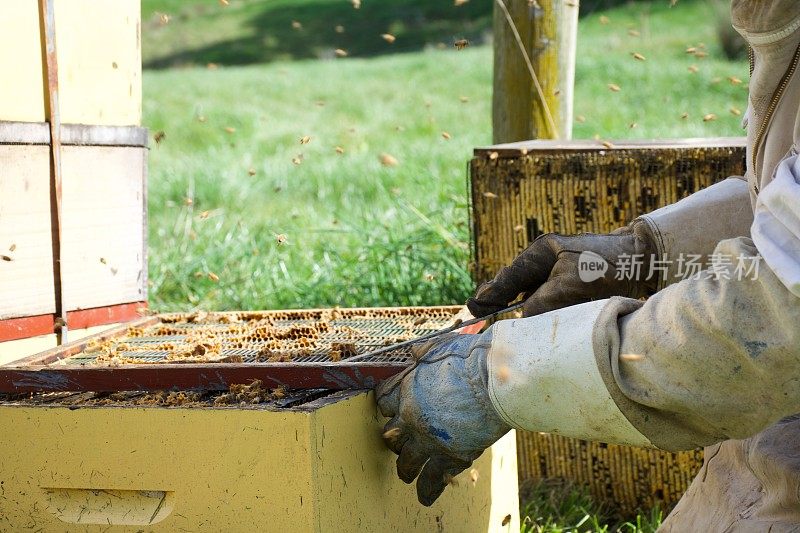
[[103, 170], [74, 463], [522, 190]]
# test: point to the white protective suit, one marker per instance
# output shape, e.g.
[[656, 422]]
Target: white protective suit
[[704, 362]]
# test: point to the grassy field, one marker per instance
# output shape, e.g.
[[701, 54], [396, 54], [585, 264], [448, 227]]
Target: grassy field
[[251, 205], [236, 223]]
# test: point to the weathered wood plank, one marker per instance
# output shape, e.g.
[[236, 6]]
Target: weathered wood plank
[[104, 229], [517, 149], [215, 376]]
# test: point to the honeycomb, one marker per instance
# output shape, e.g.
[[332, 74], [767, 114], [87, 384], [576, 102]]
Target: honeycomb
[[270, 336]]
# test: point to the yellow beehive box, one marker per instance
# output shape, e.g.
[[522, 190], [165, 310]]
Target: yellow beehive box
[[318, 467], [99, 62]]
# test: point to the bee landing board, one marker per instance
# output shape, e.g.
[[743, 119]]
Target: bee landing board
[[522, 190], [306, 349]]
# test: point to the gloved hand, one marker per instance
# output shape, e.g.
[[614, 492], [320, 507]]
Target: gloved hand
[[546, 273], [441, 415]]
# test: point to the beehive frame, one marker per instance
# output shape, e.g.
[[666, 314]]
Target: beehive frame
[[68, 368], [522, 190]]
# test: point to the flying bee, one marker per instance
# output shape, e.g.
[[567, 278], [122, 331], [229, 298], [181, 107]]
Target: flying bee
[[461, 44]]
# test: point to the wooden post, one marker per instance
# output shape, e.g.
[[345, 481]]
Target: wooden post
[[547, 31]]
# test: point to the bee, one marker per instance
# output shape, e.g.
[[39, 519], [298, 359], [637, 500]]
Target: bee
[[339, 29], [580, 118], [340, 53], [298, 159], [388, 37], [709, 117], [296, 25], [103, 260], [224, 3], [633, 33], [356, 4], [493, 156], [159, 136], [632, 125], [213, 277], [6, 258], [163, 18], [251, 172], [229, 129], [459, 3], [700, 54], [339, 150], [388, 160], [638, 56], [201, 118], [608, 145], [305, 139], [489, 195], [613, 87], [461, 44], [473, 476], [734, 80], [188, 201], [12, 247], [280, 238], [604, 20], [212, 66], [506, 520], [518, 228], [446, 136], [691, 50], [693, 69], [204, 215], [684, 115], [464, 99]]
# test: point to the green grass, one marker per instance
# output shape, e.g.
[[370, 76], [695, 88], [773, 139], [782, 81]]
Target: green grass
[[359, 233], [257, 31], [551, 507]]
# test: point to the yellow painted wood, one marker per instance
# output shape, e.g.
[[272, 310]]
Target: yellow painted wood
[[355, 471], [10, 351], [229, 469], [99, 61]]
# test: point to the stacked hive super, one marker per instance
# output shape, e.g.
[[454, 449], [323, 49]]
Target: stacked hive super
[[522, 190]]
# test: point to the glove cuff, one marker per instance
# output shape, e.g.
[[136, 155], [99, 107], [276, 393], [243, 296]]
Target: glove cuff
[[543, 376]]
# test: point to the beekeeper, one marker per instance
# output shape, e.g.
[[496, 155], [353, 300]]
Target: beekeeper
[[711, 359]]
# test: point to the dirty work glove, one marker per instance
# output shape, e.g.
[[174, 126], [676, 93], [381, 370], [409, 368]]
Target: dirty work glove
[[441, 415], [547, 274]]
